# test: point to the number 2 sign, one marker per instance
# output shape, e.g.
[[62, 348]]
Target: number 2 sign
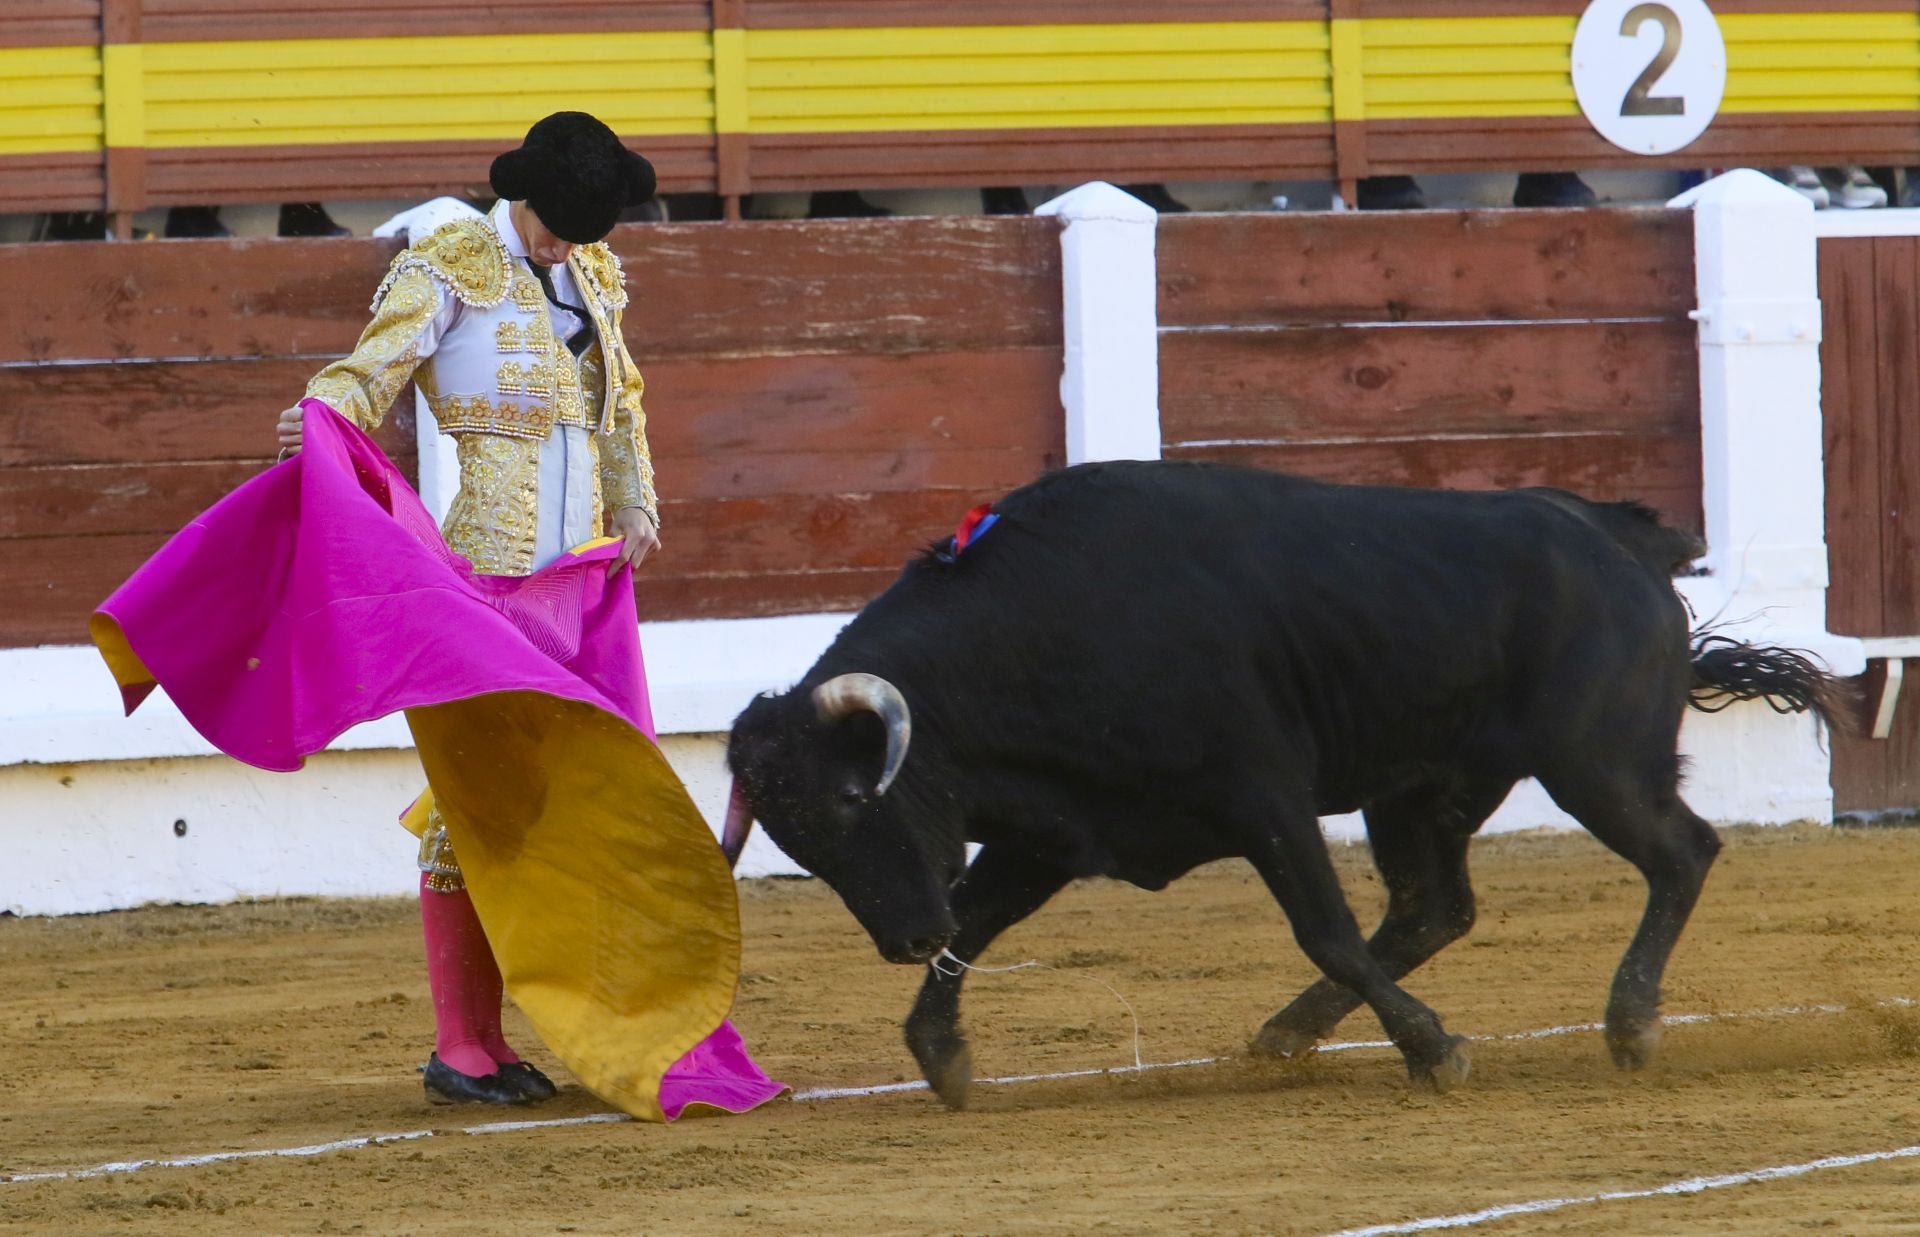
[[1649, 74]]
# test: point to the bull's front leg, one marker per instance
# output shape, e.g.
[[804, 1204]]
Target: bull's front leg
[[999, 890]]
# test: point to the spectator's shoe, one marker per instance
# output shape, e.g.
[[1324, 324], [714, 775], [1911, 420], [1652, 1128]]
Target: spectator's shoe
[[532, 1084], [86, 225], [1853, 189], [447, 1085], [1806, 183], [1390, 193], [198, 222], [1552, 189], [1004, 200], [308, 219], [1156, 196], [843, 204]]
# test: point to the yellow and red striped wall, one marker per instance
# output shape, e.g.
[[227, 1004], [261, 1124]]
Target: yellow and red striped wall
[[131, 103]]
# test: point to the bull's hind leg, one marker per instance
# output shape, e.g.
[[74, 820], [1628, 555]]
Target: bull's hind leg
[[1643, 820], [998, 891], [1419, 842], [1294, 862]]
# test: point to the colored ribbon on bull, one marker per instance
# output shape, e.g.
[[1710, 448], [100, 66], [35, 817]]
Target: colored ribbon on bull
[[973, 525]]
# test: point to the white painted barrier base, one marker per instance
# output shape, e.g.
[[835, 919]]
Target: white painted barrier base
[[102, 836], [106, 835]]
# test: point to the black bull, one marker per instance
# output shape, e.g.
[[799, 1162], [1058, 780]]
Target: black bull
[[1146, 667]]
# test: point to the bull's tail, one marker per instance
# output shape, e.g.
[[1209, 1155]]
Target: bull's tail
[[1726, 671]]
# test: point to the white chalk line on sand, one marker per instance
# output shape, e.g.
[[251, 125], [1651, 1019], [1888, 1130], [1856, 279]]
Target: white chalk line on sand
[[1690, 1185], [888, 1088]]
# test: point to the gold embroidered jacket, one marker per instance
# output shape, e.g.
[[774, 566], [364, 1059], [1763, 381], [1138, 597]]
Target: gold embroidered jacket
[[470, 326]]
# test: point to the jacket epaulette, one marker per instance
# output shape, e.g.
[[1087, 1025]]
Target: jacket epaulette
[[603, 267], [465, 256]]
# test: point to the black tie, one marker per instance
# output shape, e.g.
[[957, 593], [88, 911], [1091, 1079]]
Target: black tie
[[578, 342]]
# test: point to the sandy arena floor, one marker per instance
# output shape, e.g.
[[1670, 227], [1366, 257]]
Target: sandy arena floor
[[181, 1031]]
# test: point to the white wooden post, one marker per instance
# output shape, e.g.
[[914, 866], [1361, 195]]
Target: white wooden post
[[1111, 384], [1763, 488], [1760, 428]]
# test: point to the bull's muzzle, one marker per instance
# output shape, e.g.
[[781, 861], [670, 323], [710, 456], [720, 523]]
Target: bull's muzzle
[[916, 951]]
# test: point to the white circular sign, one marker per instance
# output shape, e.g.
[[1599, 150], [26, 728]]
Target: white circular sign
[[1649, 74]]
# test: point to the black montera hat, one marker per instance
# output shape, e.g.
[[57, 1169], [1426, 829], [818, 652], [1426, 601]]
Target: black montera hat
[[575, 174]]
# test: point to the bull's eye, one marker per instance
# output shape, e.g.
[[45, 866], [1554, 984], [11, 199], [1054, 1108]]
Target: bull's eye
[[851, 796]]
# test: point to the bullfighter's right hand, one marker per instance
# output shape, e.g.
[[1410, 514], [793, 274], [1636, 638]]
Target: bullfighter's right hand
[[289, 430]]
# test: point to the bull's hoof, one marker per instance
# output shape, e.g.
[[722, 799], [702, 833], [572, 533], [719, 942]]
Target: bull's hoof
[[946, 1062], [1633, 1044], [1448, 1072], [1278, 1039], [952, 1078]]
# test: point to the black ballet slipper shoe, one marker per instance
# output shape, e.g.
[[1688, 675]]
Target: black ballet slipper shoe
[[447, 1085], [533, 1084]]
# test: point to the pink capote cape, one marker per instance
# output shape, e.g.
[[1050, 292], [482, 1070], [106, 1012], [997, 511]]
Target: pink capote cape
[[320, 595]]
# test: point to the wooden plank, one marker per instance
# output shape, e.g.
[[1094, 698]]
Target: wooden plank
[[103, 300], [50, 23], [884, 286], [197, 20], [881, 424], [909, 468], [1429, 380], [823, 531], [160, 412], [68, 181], [1896, 269], [1851, 437], [52, 584], [998, 400], [831, 14], [664, 597], [804, 161], [842, 285], [1881, 775], [1662, 470], [1542, 143], [187, 175], [115, 498], [1395, 267]]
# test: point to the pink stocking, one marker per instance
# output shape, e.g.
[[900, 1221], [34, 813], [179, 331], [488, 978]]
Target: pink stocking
[[466, 984]]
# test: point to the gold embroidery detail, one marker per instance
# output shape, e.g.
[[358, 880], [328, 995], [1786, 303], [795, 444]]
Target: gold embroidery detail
[[593, 377], [626, 469], [511, 379], [437, 859], [466, 256], [527, 297], [363, 384], [495, 515], [540, 379], [598, 263], [599, 498], [506, 337], [476, 414]]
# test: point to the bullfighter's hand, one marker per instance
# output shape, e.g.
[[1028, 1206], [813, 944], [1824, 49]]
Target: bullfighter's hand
[[638, 537], [289, 430]]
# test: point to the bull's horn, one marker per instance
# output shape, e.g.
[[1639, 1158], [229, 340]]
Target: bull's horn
[[733, 838], [853, 693]]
